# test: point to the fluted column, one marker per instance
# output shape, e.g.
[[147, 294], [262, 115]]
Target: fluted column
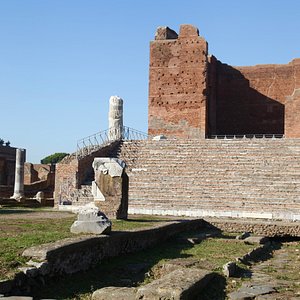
[[115, 118]]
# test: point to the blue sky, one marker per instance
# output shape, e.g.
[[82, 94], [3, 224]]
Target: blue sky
[[61, 60]]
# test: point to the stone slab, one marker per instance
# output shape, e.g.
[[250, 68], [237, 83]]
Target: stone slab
[[115, 293], [256, 240], [180, 284], [251, 292]]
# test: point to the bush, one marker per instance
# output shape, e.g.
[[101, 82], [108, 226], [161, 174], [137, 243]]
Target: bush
[[53, 158]]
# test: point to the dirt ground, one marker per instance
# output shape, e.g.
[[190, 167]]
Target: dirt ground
[[37, 214]]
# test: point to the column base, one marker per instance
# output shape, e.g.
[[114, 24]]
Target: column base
[[18, 197]]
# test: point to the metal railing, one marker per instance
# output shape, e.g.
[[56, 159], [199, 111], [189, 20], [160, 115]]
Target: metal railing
[[247, 136], [89, 144]]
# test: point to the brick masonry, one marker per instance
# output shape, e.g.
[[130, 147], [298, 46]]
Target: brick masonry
[[177, 85], [73, 176], [192, 94], [7, 166]]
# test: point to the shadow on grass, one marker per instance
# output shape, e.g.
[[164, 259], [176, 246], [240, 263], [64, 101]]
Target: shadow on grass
[[152, 220], [263, 253], [123, 271], [259, 255]]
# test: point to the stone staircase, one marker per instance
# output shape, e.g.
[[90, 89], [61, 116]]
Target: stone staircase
[[255, 178]]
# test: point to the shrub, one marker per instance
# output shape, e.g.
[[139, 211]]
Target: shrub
[[54, 158]]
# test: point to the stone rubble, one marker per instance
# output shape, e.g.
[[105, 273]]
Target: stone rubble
[[183, 284]]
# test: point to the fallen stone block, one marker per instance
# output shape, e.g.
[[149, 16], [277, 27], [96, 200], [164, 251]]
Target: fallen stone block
[[172, 265], [180, 284], [256, 240], [115, 293]]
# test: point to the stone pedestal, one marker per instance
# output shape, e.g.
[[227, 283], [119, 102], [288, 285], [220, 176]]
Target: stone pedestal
[[91, 220], [110, 188], [115, 118], [19, 175]]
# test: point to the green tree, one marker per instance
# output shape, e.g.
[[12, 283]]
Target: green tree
[[53, 158]]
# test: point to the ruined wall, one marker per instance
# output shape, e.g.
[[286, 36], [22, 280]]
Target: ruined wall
[[7, 165], [35, 172], [249, 100], [193, 95], [277, 82], [70, 174], [66, 180], [292, 106], [177, 85], [252, 99]]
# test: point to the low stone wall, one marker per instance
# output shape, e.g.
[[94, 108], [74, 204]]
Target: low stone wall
[[81, 253], [259, 227]]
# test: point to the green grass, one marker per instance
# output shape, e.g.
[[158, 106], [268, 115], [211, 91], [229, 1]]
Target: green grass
[[18, 233], [210, 254], [218, 251]]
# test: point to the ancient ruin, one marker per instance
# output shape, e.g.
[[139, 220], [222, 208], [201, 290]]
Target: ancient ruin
[[194, 95], [110, 187], [20, 180], [222, 146], [91, 220], [214, 133]]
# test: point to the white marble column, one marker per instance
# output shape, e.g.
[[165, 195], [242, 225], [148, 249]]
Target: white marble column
[[115, 118], [19, 174]]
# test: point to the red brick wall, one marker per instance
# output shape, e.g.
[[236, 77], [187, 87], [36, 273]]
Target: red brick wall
[[71, 175], [243, 107], [177, 83], [66, 180], [292, 109], [193, 95], [252, 99], [7, 170]]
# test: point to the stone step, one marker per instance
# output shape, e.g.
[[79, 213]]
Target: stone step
[[214, 174]]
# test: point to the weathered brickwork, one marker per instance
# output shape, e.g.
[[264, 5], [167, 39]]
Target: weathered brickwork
[[194, 95], [253, 99], [292, 106], [72, 174], [7, 165], [36, 172], [177, 87]]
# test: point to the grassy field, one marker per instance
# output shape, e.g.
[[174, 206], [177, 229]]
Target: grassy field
[[142, 267], [21, 228], [18, 231]]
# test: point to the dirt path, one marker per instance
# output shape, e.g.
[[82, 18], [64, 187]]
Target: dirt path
[[6, 213]]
